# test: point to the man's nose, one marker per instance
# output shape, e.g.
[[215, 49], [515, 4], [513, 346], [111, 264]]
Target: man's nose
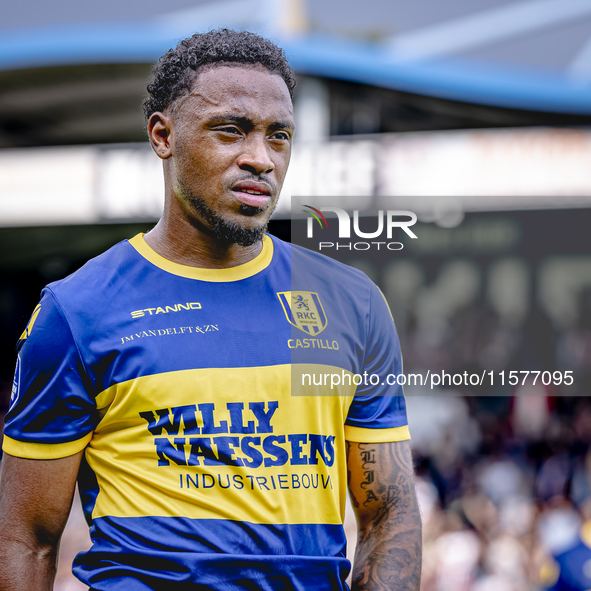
[[256, 158]]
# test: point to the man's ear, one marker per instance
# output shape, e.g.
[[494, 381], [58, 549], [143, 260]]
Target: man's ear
[[159, 128]]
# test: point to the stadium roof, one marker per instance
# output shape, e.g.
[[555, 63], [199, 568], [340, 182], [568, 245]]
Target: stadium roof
[[74, 72], [527, 54]]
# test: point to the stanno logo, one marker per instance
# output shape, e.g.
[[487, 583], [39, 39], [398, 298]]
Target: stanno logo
[[393, 219], [165, 309], [303, 309]]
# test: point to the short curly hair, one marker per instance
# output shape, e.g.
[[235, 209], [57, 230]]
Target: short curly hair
[[175, 71]]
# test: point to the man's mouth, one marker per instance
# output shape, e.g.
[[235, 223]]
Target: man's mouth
[[252, 199], [252, 193]]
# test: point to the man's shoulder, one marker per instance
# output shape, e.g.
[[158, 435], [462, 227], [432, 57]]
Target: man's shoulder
[[305, 261], [75, 303], [100, 274]]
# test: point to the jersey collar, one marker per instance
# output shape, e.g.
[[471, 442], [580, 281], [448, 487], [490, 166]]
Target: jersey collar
[[260, 262]]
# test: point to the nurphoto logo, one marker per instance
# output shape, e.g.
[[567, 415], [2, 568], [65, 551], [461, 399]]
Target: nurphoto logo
[[393, 219]]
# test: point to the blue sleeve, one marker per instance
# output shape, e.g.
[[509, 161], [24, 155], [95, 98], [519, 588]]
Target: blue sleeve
[[378, 411], [52, 411]]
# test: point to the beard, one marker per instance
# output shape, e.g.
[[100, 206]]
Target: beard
[[225, 231]]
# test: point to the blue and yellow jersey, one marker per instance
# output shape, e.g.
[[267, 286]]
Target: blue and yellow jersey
[[571, 569], [214, 444]]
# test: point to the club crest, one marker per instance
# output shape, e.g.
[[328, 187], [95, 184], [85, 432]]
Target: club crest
[[303, 309]]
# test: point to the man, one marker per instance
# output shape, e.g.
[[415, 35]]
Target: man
[[162, 376]]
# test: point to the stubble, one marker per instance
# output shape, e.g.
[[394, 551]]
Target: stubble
[[224, 230]]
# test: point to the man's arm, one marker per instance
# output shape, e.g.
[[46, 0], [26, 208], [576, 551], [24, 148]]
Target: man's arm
[[35, 501], [388, 556]]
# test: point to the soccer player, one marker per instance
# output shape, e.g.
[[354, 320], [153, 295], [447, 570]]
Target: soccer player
[[173, 376]]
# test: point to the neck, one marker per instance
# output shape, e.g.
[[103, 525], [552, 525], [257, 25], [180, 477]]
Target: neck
[[187, 245]]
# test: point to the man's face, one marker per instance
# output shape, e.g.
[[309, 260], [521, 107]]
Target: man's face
[[231, 144]]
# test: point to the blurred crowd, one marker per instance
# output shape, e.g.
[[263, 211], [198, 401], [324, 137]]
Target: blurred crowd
[[503, 472], [498, 504]]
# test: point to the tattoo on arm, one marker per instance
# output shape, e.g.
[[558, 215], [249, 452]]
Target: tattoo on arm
[[381, 482]]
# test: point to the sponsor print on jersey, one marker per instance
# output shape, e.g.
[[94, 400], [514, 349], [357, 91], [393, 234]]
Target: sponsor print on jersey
[[304, 310], [245, 449]]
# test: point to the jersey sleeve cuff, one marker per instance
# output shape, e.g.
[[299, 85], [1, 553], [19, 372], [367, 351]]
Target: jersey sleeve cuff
[[361, 435], [44, 451]]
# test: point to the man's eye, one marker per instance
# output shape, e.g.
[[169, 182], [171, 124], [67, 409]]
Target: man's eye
[[280, 135], [233, 130]]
